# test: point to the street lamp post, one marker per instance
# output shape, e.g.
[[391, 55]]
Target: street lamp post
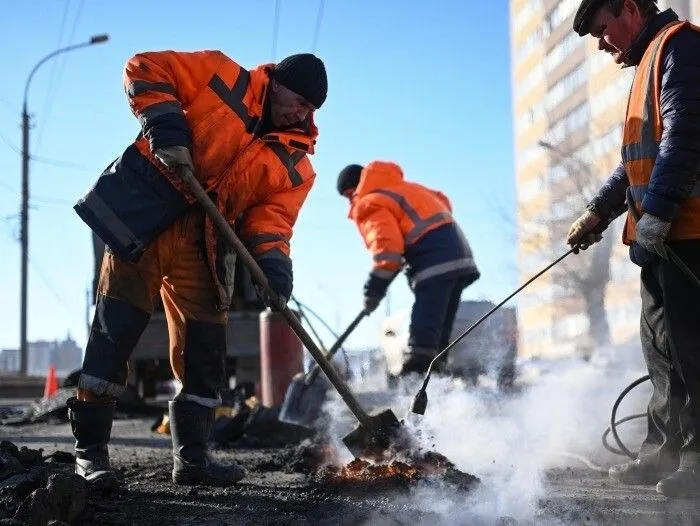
[[24, 212]]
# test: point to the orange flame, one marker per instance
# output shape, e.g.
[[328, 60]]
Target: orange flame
[[364, 472]]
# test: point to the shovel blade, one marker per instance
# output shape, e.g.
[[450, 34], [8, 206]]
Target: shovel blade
[[372, 443], [302, 403]]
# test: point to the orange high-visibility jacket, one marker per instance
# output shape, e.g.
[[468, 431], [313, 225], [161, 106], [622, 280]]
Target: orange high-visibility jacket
[[394, 216], [208, 103], [642, 137]]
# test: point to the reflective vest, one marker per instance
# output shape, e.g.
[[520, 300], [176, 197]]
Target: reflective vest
[[642, 137]]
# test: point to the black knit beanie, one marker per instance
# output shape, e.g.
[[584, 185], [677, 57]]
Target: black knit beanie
[[305, 75], [349, 177]]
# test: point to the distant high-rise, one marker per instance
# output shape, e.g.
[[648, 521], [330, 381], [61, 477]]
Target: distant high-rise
[[64, 355]]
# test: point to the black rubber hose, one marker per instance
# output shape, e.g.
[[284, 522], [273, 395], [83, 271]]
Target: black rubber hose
[[623, 450], [612, 449], [328, 328]]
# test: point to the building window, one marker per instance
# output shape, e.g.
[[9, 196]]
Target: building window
[[570, 123], [614, 93], [566, 86], [529, 117], [535, 39], [532, 79], [525, 14], [604, 144], [531, 189], [565, 47], [561, 12], [528, 155]]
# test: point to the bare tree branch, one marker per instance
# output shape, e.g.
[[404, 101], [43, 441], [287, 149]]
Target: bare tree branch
[[572, 182]]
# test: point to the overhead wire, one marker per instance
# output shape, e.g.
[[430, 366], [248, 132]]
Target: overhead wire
[[275, 30], [346, 359], [47, 160], [61, 68], [317, 29], [54, 67], [50, 287], [42, 275]]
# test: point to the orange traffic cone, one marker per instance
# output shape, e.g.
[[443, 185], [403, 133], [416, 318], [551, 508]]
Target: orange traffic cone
[[51, 385]]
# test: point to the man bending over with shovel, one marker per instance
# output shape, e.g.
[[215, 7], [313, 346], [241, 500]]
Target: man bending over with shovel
[[246, 136], [403, 221]]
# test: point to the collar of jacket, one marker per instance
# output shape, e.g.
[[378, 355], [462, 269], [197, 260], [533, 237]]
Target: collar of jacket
[[377, 175], [636, 51], [300, 137]]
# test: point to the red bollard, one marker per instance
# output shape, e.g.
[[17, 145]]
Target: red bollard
[[281, 357]]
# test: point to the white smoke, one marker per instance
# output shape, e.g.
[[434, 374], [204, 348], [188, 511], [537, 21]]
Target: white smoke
[[511, 441]]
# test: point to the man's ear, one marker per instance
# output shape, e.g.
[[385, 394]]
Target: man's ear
[[632, 8], [274, 86]]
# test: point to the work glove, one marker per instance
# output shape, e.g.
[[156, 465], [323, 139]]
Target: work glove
[[652, 233], [371, 303], [279, 275], [585, 231], [175, 158]]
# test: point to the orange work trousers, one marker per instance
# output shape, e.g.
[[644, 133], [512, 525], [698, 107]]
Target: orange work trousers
[[174, 265]]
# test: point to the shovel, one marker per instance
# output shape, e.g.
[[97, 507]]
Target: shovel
[[376, 433], [304, 398]]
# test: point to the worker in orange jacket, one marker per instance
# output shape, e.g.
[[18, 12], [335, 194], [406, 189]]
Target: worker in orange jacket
[[246, 135], [404, 222]]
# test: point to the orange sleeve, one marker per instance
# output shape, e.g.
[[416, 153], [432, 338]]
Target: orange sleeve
[[159, 84], [267, 227], [382, 236]]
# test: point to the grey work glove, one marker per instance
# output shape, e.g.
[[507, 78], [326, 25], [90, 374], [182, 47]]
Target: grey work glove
[[652, 233], [175, 158], [582, 232]]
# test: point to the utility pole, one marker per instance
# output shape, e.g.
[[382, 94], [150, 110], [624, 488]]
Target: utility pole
[[24, 241], [24, 212]]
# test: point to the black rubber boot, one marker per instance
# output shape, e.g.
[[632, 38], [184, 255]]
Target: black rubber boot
[[418, 361], [637, 472], [91, 423], [681, 484], [190, 427]]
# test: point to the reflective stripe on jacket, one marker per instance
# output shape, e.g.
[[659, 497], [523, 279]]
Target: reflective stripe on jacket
[[396, 218]]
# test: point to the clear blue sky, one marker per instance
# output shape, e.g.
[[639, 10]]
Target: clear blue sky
[[424, 84]]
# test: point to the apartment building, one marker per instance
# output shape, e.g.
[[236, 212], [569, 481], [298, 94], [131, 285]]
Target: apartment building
[[568, 103]]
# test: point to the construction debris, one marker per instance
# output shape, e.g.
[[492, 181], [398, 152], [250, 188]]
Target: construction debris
[[36, 490], [54, 408]]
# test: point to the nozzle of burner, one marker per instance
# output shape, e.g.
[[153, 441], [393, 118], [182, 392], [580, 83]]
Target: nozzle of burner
[[420, 402]]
